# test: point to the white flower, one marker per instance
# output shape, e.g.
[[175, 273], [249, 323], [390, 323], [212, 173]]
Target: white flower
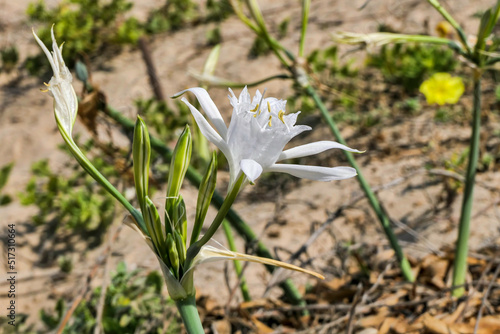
[[257, 135], [65, 100]]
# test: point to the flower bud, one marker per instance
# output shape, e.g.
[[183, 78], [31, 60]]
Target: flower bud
[[178, 167], [141, 154], [173, 255]]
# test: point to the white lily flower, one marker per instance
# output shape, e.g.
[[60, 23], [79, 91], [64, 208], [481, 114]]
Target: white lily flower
[[257, 135], [60, 87]]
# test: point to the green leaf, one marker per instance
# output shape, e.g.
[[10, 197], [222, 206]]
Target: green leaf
[[205, 193], [483, 29], [4, 174], [212, 60], [81, 71]]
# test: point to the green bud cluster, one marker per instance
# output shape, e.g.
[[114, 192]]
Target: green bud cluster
[[169, 239]]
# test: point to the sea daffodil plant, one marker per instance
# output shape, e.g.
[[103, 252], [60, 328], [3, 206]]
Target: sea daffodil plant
[[168, 238]]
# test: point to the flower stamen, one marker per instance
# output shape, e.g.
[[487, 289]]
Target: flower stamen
[[255, 109], [281, 113], [268, 106], [269, 123]]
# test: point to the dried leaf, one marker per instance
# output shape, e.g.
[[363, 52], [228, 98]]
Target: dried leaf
[[436, 326]]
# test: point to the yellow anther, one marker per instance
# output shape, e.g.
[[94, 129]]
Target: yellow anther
[[281, 113], [269, 123], [255, 109], [268, 106], [44, 90], [46, 84]]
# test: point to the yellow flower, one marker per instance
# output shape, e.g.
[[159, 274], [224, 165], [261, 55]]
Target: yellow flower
[[442, 88]]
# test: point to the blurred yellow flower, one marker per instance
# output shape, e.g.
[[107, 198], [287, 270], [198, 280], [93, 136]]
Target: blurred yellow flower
[[442, 88]]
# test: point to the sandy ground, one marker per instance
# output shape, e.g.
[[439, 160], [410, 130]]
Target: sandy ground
[[28, 134]]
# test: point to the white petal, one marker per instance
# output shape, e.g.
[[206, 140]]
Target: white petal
[[66, 103], [47, 53], [206, 129], [244, 96], [312, 148], [251, 168], [314, 172], [210, 109]]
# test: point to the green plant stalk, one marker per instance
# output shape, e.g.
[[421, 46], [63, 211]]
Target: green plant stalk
[[306, 5], [223, 210], [96, 175], [451, 20], [241, 227], [221, 82], [237, 264], [461, 251], [254, 8], [195, 248], [189, 314], [382, 216]]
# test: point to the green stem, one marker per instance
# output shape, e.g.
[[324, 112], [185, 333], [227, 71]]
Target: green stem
[[221, 82], [237, 264], [241, 227], [195, 248], [382, 216], [276, 47], [306, 4], [460, 265], [96, 175], [251, 240], [223, 210], [451, 20], [189, 314]]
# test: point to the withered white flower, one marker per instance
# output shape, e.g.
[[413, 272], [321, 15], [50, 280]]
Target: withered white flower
[[60, 87], [257, 135], [210, 254]]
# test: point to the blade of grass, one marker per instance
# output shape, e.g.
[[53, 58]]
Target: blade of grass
[[306, 5]]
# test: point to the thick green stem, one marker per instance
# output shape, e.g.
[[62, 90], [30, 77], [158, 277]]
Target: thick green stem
[[190, 315], [241, 227], [382, 216], [460, 265], [237, 264]]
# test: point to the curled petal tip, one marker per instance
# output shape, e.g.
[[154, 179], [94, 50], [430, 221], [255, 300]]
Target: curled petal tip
[[176, 95]]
